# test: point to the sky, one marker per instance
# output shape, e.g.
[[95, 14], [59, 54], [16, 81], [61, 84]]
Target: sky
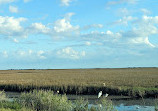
[[57, 34]]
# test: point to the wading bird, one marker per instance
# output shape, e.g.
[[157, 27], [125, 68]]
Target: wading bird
[[106, 95], [99, 94]]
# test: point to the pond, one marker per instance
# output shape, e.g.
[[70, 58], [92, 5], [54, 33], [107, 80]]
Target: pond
[[121, 103]]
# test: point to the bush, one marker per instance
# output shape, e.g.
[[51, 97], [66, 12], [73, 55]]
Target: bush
[[45, 101], [2, 96], [80, 105], [105, 105], [10, 105]]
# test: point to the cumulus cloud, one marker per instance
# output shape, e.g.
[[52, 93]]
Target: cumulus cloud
[[10, 26], [21, 54], [39, 28], [65, 2], [70, 53], [139, 32], [64, 25], [13, 9], [145, 27], [13, 28]]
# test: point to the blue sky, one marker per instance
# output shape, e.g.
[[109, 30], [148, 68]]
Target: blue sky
[[50, 34]]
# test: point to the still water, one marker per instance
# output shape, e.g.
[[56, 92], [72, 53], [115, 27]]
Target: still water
[[121, 103]]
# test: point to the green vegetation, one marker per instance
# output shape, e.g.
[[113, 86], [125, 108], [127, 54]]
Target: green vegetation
[[129, 81], [48, 101]]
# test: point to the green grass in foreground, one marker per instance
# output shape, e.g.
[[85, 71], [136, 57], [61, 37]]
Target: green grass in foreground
[[47, 101]]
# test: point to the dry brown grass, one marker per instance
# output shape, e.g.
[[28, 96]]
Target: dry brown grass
[[144, 77], [130, 77]]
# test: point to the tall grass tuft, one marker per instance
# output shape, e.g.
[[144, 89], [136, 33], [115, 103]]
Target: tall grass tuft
[[2, 96], [45, 101]]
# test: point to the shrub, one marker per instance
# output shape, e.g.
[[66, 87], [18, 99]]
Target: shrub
[[46, 101], [80, 105], [2, 96], [105, 105]]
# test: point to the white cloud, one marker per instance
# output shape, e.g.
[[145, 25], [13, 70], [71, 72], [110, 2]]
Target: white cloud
[[144, 28], [40, 54], [6, 1], [109, 32], [29, 54], [149, 19], [13, 9], [10, 26], [70, 53], [39, 28], [26, 1], [141, 40], [117, 2], [15, 40], [124, 21], [123, 12], [145, 11], [87, 27], [64, 25], [65, 2]]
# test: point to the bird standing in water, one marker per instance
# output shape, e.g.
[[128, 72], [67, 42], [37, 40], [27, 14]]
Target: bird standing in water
[[99, 94]]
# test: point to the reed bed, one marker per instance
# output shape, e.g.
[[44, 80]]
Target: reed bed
[[127, 81]]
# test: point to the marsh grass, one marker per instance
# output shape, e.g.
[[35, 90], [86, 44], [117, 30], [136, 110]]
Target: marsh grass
[[84, 81]]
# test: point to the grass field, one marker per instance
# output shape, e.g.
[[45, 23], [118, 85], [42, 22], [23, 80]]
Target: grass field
[[127, 81]]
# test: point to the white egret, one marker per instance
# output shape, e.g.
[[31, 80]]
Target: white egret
[[106, 95], [99, 94]]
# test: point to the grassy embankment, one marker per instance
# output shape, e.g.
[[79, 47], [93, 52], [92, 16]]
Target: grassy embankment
[[130, 81]]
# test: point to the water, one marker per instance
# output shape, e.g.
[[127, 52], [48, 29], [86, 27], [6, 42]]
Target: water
[[121, 103], [135, 105]]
